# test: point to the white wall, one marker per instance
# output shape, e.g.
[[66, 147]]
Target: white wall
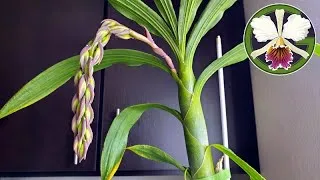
[[288, 111]]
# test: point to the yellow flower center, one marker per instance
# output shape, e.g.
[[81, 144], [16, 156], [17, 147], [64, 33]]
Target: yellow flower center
[[280, 42]]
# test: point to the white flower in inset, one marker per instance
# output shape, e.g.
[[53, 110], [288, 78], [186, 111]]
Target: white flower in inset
[[279, 49]]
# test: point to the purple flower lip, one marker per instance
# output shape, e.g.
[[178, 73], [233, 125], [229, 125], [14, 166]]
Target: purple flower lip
[[280, 57]]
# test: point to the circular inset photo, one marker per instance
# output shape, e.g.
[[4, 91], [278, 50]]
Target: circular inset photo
[[279, 39]]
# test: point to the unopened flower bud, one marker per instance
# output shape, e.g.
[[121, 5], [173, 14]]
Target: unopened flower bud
[[74, 103], [83, 129], [74, 124], [109, 22], [77, 77], [88, 135], [75, 144], [89, 114], [91, 82], [79, 125], [81, 87], [84, 55], [82, 108], [89, 94], [81, 152], [89, 69], [121, 32], [85, 150], [98, 55], [105, 39]]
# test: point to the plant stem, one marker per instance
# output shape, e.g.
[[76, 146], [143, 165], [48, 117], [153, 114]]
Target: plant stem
[[195, 130]]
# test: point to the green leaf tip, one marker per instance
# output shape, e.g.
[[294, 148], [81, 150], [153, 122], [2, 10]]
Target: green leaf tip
[[155, 154], [317, 49], [245, 166]]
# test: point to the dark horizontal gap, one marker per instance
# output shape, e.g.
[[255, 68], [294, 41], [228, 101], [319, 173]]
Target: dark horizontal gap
[[90, 173]]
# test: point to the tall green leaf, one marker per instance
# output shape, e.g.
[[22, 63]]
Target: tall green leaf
[[187, 13], [165, 7], [155, 154], [209, 18], [139, 12], [235, 55], [254, 175], [117, 137], [317, 50], [57, 75]]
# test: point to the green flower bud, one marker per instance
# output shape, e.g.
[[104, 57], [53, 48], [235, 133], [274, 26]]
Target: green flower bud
[[89, 94], [85, 150], [84, 55], [89, 114], [88, 135], [105, 39], [81, 87], [98, 55], [74, 125], [81, 108], [83, 128], [80, 151], [77, 77], [91, 82], [121, 31], [74, 103], [89, 69], [75, 144], [109, 22], [79, 125]]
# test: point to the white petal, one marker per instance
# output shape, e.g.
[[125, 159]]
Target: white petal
[[264, 49], [263, 28], [296, 28], [297, 50], [279, 15]]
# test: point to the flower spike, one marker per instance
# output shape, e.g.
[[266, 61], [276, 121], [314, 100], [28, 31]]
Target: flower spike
[[91, 55]]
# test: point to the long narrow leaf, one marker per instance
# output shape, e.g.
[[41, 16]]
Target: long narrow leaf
[[117, 137], [254, 175], [209, 18], [57, 75], [165, 7], [139, 12], [155, 154], [187, 13], [235, 55], [317, 50]]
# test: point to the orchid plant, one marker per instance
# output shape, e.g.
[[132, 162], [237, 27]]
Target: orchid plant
[[183, 36]]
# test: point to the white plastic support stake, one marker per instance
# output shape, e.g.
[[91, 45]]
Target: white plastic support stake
[[223, 105], [75, 159], [118, 111]]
